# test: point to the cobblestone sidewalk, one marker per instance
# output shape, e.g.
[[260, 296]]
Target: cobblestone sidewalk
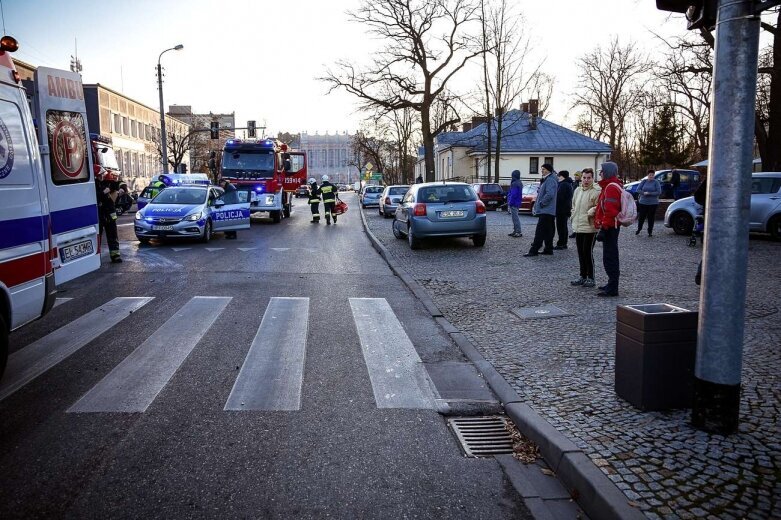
[[564, 366]]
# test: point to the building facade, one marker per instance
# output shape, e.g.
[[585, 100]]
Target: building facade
[[134, 129], [201, 143], [330, 155], [528, 142]]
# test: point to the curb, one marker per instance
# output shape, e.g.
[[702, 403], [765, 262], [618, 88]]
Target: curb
[[596, 493]]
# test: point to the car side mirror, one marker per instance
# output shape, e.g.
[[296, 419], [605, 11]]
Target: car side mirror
[[219, 203]]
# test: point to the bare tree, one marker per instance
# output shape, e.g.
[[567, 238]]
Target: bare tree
[[611, 90], [427, 46]]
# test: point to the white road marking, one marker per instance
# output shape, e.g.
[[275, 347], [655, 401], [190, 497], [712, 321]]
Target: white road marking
[[38, 357], [136, 381], [273, 371], [280, 249], [398, 377], [60, 301], [177, 249], [214, 248], [126, 224], [245, 249]]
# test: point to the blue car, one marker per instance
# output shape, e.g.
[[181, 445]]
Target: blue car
[[192, 211], [690, 179], [440, 209]]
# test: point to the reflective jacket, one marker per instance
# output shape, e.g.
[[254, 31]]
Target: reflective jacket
[[314, 194], [328, 191]]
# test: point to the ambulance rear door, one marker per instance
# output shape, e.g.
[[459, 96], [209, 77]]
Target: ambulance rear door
[[67, 161], [231, 210]]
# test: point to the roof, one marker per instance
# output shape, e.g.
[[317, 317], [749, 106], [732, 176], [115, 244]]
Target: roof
[[517, 136]]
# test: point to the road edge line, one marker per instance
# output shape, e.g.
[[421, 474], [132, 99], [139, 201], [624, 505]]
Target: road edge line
[[596, 493]]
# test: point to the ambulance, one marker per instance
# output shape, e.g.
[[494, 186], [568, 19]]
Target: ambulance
[[48, 210]]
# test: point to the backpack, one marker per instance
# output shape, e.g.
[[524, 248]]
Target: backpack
[[628, 214]]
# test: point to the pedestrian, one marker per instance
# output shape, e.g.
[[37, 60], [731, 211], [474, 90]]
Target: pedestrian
[[107, 194], [647, 201], [156, 187], [606, 221], [419, 179], [675, 181], [545, 210], [230, 194], [514, 198], [584, 206], [578, 177], [328, 191], [563, 208], [314, 201]]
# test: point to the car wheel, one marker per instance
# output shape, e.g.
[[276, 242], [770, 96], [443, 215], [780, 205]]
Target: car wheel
[[287, 211], [414, 243], [207, 232], [774, 228], [479, 240], [3, 345], [276, 217], [396, 232], [682, 223]]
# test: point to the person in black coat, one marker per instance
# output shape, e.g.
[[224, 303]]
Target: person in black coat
[[563, 208], [230, 197], [107, 194]]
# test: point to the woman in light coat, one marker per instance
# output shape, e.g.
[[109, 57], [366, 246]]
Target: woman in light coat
[[584, 205]]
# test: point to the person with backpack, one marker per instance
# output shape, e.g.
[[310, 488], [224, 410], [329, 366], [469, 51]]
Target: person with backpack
[[606, 220], [647, 201]]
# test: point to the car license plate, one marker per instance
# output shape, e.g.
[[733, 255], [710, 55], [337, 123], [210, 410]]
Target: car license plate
[[162, 228], [452, 213], [77, 250], [492, 203]]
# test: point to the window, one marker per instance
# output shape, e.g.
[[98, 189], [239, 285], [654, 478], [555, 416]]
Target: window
[[449, 166], [296, 163], [118, 155], [492, 188], [16, 167], [117, 124], [446, 193], [534, 165], [549, 160], [125, 126], [762, 185], [133, 128]]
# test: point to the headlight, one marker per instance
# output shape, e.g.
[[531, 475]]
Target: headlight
[[193, 217], [269, 200], [139, 216]]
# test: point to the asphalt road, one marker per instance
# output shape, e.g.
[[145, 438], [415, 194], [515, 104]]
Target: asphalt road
[[133, 423]]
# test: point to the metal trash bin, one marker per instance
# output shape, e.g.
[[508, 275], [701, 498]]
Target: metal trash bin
[[656, 345]]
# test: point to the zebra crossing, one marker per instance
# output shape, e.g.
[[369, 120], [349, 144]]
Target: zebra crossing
[[272, 374]]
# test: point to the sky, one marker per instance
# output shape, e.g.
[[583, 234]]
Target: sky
[[261, 59]]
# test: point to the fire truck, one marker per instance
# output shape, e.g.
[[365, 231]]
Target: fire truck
[[267, 170], [104, 162]]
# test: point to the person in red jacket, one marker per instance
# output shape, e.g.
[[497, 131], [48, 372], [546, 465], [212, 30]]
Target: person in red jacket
[[605, 219]]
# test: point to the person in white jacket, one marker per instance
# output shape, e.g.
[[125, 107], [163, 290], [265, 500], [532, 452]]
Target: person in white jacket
[[584, 205]]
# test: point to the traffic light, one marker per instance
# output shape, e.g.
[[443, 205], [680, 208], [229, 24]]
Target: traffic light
[[251, 128], [699, 13], [214, 129]]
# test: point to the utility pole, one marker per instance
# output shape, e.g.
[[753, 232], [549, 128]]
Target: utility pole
[[717, 371], [163, 143]]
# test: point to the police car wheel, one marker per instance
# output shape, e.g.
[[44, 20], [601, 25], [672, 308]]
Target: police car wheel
[[276, 216], [207, 232], [3, 345]]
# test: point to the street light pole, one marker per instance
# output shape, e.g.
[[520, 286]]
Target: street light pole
[[163, 143]]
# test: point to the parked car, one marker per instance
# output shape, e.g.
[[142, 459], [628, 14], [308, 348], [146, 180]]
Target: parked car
[[764, 215], [529, 196], [371, 196], [492, 195], [302, 191], [390, 199], [690, 179], [440, 209]]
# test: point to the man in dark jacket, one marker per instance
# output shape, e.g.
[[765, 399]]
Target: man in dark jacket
[[107, 194], [230, 197], [675, 182], [563, 208], [328, 191], [514, 198], [545, 210], [314, 201]]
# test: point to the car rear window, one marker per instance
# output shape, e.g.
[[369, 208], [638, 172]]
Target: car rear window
[[492, 188], [373, 189], [446, 193], [398, 191]]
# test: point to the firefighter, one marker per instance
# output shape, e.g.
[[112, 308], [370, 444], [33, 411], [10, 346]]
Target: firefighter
[[157, 186], [328, 192], [107, 194], [314, 201]]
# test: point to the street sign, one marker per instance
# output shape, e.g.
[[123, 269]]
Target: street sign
[[377, 176], [369, 166]]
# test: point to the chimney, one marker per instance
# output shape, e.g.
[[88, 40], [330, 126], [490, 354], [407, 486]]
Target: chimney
[[534, 107], [465, 127], [525, 107]]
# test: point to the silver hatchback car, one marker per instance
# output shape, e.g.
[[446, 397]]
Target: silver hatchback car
[[440, 209], [390, 199]]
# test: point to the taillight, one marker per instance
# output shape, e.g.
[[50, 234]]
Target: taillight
[[387, 200], [420, 210], [480, 207]]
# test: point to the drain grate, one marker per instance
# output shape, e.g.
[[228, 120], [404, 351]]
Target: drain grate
[[482, 436]]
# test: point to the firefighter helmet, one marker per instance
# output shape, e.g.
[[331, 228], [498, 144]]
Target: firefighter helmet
[[312, 180], [325, 178]]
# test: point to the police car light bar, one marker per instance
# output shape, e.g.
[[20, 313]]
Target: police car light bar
[[170, 179]]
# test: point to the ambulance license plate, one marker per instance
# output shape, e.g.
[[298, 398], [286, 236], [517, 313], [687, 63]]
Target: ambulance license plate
[[162, 228], [77, 250], [452, 214]]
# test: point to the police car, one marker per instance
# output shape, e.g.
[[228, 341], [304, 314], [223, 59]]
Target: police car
[[187, 209]]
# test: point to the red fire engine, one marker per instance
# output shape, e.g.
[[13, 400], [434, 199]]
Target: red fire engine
[[265, 172], [104, 162]]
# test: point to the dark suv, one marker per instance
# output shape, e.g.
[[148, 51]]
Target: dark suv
[[690, 179], [491, 194]]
